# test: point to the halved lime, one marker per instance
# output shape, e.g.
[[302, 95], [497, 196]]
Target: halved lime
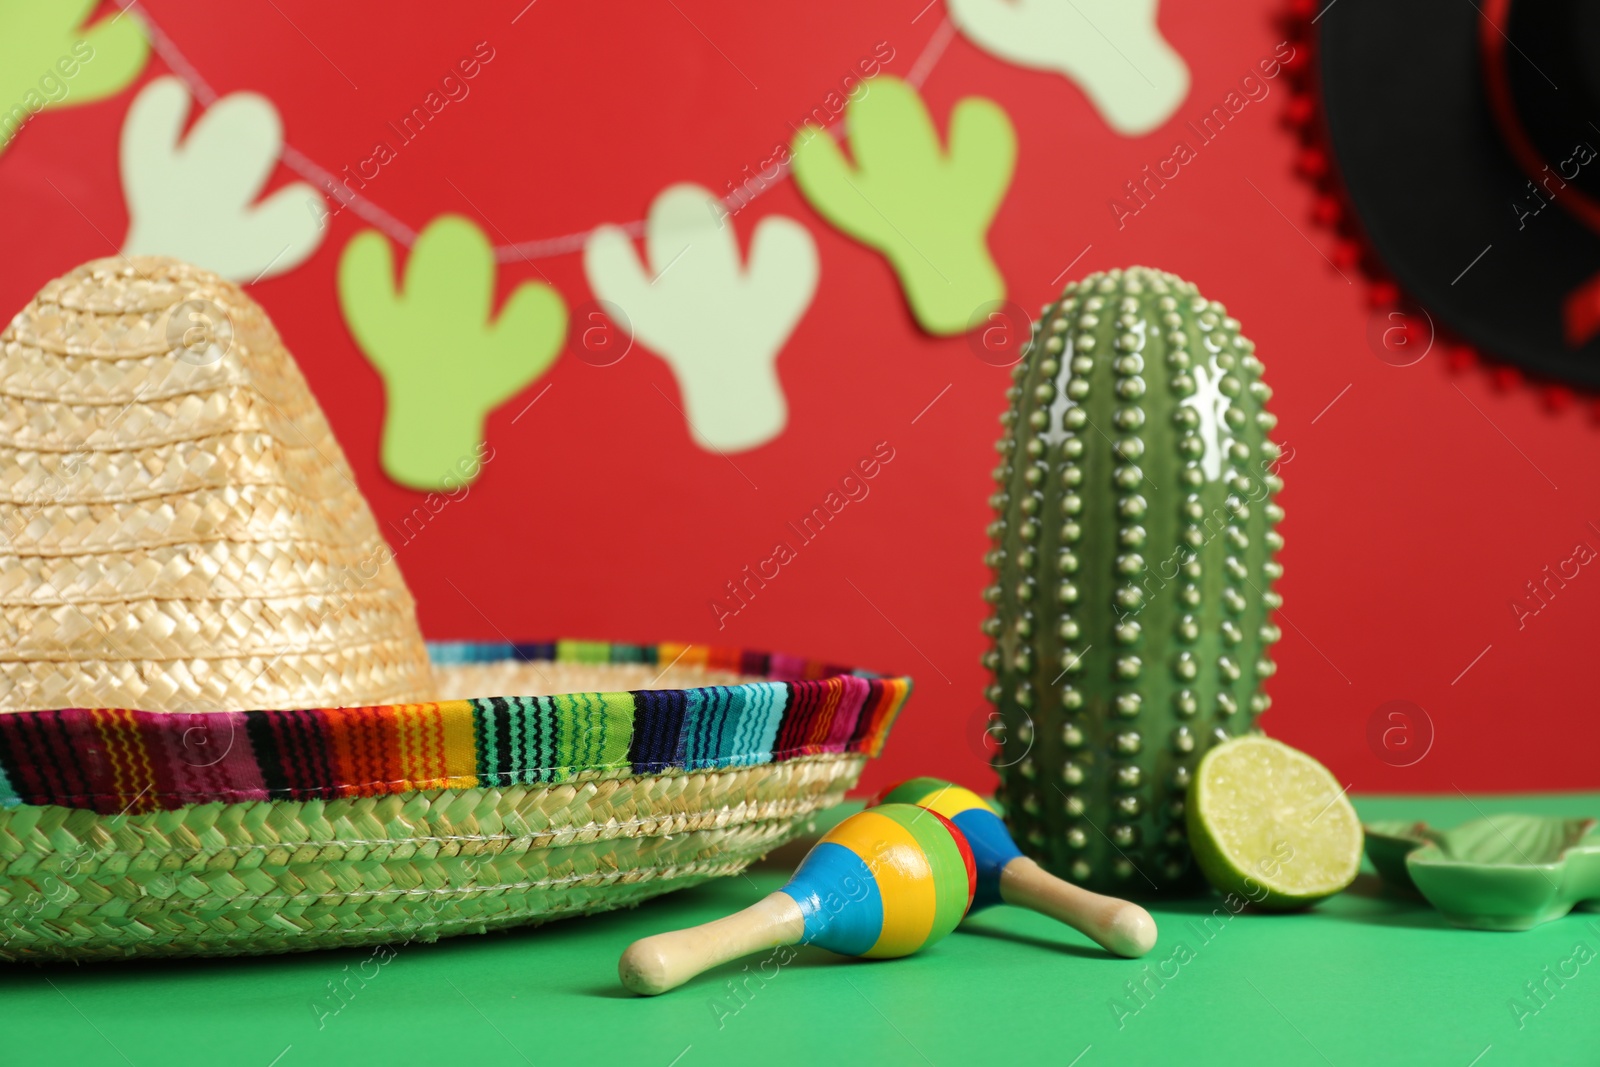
[[1270, 824]]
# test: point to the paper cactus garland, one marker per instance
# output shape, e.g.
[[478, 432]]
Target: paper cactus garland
[[53, 60], [1133, 563], [924, 206], [193, 197], [1112, 49], [446, 362], [719, 320], [718, 324]]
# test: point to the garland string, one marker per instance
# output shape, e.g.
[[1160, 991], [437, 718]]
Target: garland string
[[542, 248]]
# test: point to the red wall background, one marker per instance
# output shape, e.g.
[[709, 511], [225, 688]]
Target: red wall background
[[1419, 504]]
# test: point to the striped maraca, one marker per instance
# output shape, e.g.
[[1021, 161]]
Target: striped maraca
[[882, 883], [1006, 875]]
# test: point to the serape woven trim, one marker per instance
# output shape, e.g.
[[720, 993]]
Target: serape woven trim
[[114, 760]]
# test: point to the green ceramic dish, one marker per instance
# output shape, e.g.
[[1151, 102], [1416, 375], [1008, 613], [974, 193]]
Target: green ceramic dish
[[1503, 872], [1389, 842]]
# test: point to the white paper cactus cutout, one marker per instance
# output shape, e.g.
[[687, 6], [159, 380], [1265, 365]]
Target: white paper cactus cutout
[[718, 324], [1111, 49], [194, 197]]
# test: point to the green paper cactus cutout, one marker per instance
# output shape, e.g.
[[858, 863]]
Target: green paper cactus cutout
[[1133, 564], [48, 58], [925, 207], [445, 362]]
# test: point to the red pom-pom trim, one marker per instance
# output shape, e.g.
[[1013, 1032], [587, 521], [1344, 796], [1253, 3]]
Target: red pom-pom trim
[[1313, 163], [1558, 398], [1301, 110], [1383, 294]]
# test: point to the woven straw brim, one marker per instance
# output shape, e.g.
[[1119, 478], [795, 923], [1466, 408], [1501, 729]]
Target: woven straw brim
[[381, 862], [269, 877]]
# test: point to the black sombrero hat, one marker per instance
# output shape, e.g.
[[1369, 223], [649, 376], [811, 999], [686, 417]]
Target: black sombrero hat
[[1467, 139]]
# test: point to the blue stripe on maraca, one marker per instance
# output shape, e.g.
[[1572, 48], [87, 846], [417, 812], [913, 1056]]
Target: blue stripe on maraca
[[839, 898], [992, 849]]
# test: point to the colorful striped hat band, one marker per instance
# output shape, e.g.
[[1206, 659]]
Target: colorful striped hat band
[[113, 760]]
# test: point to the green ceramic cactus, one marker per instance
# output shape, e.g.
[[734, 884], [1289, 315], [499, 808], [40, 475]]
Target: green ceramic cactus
[[1133, 560]]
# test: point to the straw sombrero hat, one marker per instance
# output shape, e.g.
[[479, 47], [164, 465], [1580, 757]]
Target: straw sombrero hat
[[181, 534]]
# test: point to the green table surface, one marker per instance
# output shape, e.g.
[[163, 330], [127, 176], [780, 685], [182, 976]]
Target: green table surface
[[1366, 978]]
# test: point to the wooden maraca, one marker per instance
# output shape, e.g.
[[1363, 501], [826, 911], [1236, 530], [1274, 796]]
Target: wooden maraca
[[882, 883], [1006, 875]]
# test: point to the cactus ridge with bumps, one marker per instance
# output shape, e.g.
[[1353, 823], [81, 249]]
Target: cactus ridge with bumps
[[1133, 562]]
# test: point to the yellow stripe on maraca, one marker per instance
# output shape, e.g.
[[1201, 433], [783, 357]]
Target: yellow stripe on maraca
[[905, 880], [952, 800]]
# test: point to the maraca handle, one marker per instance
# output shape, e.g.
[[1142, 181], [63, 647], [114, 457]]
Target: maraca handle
[[1118, 926], [656, 964]]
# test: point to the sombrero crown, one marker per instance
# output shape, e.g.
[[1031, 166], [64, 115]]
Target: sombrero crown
[[179, 529]]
